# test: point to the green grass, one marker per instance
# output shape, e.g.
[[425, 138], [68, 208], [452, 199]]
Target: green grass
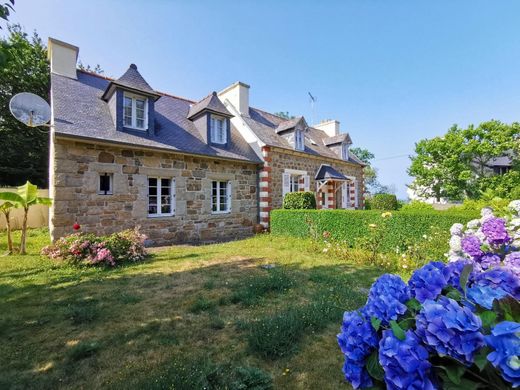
[[216, 316]]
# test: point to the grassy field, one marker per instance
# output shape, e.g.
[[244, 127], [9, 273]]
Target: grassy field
[[215, 316]]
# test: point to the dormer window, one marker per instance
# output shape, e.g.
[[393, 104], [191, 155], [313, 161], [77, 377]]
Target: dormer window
[[299, 143], [135, 114], [218, 129], [344, 151]]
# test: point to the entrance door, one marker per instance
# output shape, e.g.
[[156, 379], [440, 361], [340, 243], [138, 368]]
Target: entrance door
[[345, 191]]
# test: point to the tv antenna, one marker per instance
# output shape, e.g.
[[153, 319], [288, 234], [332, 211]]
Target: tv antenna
[[30, 109], [313, 100]]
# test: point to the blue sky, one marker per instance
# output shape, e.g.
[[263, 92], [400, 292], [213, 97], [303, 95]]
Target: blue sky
[[392, 72]]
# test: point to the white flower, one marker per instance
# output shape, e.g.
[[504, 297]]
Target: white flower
[[424, 236], [325, 250], [514, 206], [456, 229], [486, 212], [473, 224], [405, 266], [455, 243]]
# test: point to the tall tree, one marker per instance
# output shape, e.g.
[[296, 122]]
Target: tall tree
[[25, 69], [370, 173], [456, 165]]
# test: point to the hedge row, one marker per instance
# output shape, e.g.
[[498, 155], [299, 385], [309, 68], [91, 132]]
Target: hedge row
[[348, 225]]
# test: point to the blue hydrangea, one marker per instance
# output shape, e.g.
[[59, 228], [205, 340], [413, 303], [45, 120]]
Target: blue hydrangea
[[488, 261], [512, 263], [427, 282], [356, 341], [500, 278], [454, 270], [387, 297], [505, 342], [485, 295], [405, 362], [450, 329]]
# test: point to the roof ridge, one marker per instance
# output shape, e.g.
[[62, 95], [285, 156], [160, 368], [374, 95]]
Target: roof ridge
[[270, 113], [113, 79]]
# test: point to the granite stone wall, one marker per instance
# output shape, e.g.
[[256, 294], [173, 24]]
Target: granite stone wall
[[76, 167]]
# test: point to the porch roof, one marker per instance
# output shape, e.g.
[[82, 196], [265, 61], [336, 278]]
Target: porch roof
[[326, 172]]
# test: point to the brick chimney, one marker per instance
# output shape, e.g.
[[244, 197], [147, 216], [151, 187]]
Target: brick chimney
[[63, 57], [238, 95], [329, 126]]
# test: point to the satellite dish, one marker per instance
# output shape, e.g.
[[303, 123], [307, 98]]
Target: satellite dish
[[30, 109]]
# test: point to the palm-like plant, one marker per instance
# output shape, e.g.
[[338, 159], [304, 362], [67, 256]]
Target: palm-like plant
[[5, 208], [25, 197]]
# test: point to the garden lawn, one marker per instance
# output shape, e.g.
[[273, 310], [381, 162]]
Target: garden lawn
[[189, 317]]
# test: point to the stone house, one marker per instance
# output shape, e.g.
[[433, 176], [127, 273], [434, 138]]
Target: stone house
[[123, 154]]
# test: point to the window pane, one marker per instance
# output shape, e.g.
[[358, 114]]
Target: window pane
[[223, 203], [104, 183], [214, 203], [127, 108], [152, 205], [165, 182], [139, 104], [152, 182]]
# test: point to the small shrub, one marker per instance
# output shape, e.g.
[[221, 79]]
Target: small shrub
[[299, 200], [82, 350], [202, 304], [253, 288], [89, 249], [384, 202], [416, 205]]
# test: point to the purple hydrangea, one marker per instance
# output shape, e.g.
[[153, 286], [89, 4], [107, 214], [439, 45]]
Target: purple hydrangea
[[489, 260], [485, 295], [495, 231], [386, 298], [471, 246], [454, 270], [512, 263], [427, 282], [500, 278], [450, 329], [356, 341], [505, 341], [405, 362]]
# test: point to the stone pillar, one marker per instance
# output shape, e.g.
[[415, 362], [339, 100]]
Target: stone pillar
[[352, 195], [265, 188], [331, 203]]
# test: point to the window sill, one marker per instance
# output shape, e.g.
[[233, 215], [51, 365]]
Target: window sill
[[161, 215], [136, 128], [220, 212]]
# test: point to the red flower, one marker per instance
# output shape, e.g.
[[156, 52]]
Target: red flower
[[76, 226]]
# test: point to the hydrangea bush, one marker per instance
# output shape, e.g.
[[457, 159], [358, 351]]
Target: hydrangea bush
[[89, 249], [453, 325]]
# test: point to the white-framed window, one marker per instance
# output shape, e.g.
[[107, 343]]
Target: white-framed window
[[161, 197], [218, 129], [344, 151], [220, 197], [294, 183], [105, 184], [135, 111], [299, 143]]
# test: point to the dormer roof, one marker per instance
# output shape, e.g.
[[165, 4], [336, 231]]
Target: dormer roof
[[210, 103], [338, 139], [133, 81], [291, 124]]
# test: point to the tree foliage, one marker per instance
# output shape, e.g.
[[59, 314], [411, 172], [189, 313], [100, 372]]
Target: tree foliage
[[370, 173], [25, 69], [5, 10], [87, 68], [457, 165], [284, 114]]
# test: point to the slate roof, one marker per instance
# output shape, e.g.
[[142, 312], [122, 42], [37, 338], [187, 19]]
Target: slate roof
[[80, 112], [502, 161], [289, 124], [131, 79], [326, 172], [210, 103], [264, 125], [338, 139]]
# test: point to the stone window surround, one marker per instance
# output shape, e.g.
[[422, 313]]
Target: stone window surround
[[110, 191]]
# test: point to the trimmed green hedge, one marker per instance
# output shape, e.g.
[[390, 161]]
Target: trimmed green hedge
[[384, 202], [348, 225], [299, 200]]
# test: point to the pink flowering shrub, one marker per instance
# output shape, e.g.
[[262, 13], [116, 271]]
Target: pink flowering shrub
[[87, 248]]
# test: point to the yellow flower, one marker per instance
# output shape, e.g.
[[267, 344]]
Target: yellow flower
[[386, 214], [372, 225]]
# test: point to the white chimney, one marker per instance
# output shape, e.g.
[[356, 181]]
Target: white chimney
[[238, 95], [330, 127], [63, 57]]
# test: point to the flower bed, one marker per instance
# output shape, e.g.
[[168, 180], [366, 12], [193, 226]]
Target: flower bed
[[454, 325], [87, 248]]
